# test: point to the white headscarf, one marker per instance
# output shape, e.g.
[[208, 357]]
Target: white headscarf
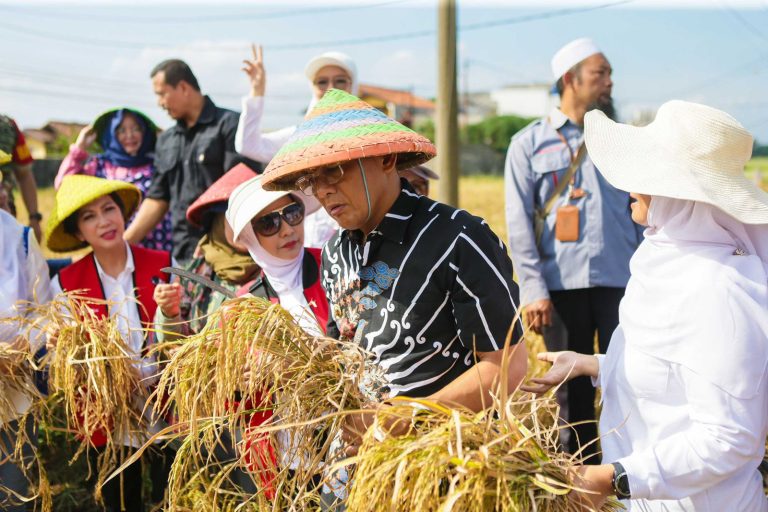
[[338, 59], [285, 277], [698, 295]]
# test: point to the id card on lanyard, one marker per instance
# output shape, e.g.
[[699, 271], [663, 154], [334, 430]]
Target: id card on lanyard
[[567, 215]]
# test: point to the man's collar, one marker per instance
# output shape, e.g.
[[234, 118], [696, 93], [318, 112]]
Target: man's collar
[[207, 115], [395, 223], [558, 119], [129, 265]]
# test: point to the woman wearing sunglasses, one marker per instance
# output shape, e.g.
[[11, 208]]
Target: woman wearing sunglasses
[[271, 226]]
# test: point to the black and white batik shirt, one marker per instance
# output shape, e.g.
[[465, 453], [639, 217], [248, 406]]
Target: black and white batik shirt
[[426, 288]]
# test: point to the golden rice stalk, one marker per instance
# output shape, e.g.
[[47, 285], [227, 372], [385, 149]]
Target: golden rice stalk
[[500, 459], [92, 372], [253, 348], [201, 482]]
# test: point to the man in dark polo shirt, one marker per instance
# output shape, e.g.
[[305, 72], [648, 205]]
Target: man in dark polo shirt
[[189, 157], [426, 287]]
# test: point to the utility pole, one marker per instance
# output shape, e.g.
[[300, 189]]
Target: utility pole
[[446, 123]]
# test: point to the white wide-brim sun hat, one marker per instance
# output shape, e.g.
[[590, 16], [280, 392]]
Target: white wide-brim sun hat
[[249, 198], [690, 151]]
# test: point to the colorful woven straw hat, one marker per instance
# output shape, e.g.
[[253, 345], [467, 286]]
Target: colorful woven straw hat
[[77, 191], [219, 192], [4, 157], [340, 128], [102, 121]]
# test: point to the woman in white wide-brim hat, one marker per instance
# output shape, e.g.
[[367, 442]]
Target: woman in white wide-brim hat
[[324, 71], [685, 393]]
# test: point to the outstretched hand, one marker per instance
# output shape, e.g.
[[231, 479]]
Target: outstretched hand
[[254, 68], [565, 366]]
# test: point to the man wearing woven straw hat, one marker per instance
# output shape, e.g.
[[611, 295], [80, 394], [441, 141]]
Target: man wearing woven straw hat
[[570, 232], [425, 287]]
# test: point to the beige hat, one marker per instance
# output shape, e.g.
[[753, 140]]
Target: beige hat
[[249, 198], [689, 151]]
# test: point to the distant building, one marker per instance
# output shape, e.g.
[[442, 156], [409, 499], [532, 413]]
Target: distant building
[[525, 100], [476, 106], [41, 140], [398, 104]]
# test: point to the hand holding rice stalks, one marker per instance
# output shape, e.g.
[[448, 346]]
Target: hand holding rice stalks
[[93, 373], [500, 459], [253, 358]]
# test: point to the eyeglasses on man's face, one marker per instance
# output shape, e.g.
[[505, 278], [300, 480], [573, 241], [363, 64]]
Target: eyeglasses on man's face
[[269, 224], [328, 175]]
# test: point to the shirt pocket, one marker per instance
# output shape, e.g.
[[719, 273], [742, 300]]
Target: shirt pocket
[[647, 376], [549, 169], [167, 157], [210, 154]]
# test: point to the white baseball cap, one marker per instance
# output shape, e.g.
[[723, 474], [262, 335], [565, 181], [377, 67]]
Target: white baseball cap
[[571, 54]]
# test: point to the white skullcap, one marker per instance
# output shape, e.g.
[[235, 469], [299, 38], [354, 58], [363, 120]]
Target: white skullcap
[[571, 54]]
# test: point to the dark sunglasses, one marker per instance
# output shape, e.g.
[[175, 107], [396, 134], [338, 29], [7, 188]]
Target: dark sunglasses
[[269, 224]]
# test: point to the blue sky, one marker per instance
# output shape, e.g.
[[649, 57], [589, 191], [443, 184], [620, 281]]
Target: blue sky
[[71, 61]]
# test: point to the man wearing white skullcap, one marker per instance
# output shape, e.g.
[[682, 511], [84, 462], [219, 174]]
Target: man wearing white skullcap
[[570, 232]]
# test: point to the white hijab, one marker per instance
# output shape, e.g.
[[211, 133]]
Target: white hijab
[[285, 277], [698, 295], [338, 59]]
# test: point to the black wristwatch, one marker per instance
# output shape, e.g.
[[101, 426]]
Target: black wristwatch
[[35, 216], [620, 482]]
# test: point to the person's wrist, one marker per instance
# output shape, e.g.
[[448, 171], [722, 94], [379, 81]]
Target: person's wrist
[[620, 482], [35, 217], [173, 313]]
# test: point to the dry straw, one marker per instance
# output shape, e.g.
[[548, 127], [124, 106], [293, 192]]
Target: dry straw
[[93, 375], [504, 458], [16, 367], [252, 348]]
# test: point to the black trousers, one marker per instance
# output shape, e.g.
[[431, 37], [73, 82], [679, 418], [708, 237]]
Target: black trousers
[[582, 314]]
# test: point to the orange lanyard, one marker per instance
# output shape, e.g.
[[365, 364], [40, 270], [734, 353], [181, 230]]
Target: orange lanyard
[[570, 151]]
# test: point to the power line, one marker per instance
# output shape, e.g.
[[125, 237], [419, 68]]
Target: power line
[[745, 23], [300, 46], [25, 10]]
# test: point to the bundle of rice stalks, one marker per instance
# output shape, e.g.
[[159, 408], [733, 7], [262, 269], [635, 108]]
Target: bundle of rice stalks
[[253, 358], [500, 459], [92, 373], [208, 483]]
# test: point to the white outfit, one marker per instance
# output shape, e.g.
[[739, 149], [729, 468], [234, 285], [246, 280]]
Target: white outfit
[[23, 277], [123, 308], [685, 393], [249, 139]]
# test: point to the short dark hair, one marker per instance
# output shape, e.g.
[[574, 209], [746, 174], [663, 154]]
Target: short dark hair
[[175, 71], [560, 84], [70, 223]]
